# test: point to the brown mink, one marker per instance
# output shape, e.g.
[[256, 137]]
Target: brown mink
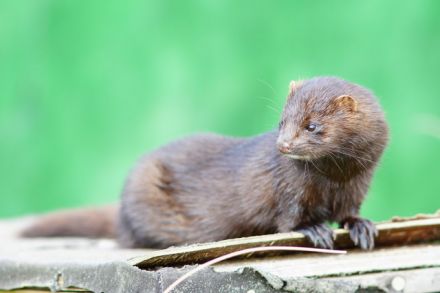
[[314, 169]]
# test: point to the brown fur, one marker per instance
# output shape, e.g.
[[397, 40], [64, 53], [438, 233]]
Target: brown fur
[[92, 222], [219, 187], [210, 187]]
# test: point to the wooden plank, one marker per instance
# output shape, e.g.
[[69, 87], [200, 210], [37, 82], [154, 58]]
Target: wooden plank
[[390, 233]]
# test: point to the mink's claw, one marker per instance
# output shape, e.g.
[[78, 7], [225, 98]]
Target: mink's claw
[[362, 232], [320, 235]]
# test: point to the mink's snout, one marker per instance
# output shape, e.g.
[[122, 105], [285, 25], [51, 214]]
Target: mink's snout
[[284, 146], [295, 148]]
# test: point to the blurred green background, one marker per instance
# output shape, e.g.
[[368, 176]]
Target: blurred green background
[[86, 87]]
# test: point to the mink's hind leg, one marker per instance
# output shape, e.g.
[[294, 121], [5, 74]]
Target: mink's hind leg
[[151, 214], [135, 228], [126, 234], [321, 235], [362, 231]]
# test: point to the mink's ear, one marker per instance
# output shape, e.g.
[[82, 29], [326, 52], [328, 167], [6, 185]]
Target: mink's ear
[[293, 86], [347, 102]]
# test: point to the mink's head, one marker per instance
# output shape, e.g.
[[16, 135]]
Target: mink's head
[[328, 116]]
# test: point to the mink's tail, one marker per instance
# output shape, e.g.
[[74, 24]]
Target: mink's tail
[[99, 222]]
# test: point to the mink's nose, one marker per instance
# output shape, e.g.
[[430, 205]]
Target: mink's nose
[[284, 147]]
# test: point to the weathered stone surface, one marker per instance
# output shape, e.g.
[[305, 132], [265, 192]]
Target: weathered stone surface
[[120, 277], [98, 265], [104, 277]]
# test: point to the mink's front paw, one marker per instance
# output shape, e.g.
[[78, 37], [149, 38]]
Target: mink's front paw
[[362, 232], [320, 235]]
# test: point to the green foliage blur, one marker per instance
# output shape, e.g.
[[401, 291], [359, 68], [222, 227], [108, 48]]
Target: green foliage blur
[[86, 87]]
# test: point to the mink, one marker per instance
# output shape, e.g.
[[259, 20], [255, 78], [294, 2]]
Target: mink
[[314, 169]]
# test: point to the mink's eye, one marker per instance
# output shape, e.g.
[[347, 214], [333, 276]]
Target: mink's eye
[[311, 127]]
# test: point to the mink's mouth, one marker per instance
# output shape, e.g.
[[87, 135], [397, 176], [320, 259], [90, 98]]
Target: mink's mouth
[[293, 151], [297, 157]]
